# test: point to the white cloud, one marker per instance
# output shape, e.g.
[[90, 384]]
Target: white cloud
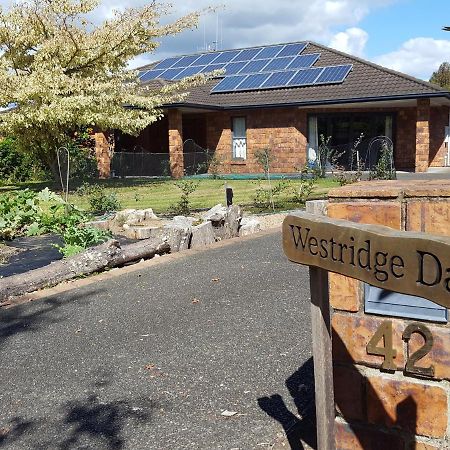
[[353, 41], [418, 57]]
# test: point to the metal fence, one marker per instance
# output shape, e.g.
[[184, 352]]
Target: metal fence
[[145, 164]]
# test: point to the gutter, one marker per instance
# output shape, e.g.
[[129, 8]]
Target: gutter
[[310, 102]]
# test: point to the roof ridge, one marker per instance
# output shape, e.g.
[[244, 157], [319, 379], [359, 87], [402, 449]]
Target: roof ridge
[[385, 69]]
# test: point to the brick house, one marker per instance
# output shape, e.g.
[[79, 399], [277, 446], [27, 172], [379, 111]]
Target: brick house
[[235, 120]]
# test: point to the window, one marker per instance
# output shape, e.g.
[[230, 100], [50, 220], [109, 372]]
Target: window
[[239, 130]]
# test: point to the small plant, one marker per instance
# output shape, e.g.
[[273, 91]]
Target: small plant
[[101, 201], [213, 164], [270, 197], [324, 156], [187, 187], [307, 183], [343, 176], [265, 158], [384, 168]]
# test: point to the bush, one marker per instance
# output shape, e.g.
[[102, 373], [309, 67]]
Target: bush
[[101, 201], [183, 206], [16, 166]]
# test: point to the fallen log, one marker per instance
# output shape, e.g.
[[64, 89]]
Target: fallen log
[[95, 259]]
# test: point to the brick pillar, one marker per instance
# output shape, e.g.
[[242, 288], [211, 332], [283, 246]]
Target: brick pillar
[[103, 153], [176, 143], [379, 409], [422, 135]]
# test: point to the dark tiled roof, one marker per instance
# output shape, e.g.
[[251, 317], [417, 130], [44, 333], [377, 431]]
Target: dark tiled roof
[[365, 81]]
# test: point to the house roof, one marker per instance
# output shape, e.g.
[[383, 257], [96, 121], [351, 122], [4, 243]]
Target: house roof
[[366, 82]]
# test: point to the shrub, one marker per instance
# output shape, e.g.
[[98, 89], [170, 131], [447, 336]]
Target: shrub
[[101, 201], [16, 166], [187, 187]]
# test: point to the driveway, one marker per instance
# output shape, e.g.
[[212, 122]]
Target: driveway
[[207, 351]]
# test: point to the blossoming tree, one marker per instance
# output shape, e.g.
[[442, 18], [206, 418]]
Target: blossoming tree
[[62, 71]]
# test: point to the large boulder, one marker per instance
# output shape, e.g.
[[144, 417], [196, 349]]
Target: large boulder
[[177, 236], [202, 235]]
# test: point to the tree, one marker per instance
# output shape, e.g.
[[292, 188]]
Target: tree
[[59, 71], [442, 76]]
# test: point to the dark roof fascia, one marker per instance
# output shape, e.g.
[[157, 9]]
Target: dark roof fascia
[[311, 102]]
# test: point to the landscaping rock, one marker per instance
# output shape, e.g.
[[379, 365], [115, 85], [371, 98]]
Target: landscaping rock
[[102, 224], [249, 226], [228, 227], [318, 207], [215, 214], [141, 232], [184, 221], [202, 235], [149, 214], [177, 236]]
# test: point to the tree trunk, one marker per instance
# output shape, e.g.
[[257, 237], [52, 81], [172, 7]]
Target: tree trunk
[[95, 259]]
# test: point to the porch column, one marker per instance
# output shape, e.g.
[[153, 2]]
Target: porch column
[[422, 135], [103, 153], [176, 143]]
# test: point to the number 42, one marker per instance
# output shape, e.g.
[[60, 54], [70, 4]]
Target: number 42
[[384, 333]]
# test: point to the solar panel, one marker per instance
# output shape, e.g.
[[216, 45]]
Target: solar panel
[[255, 66], [150, 75], [213, 67], [229, 83], [292, 49], [170, 74], [252, 81], [270, 52], [305, 76], [334, 74], [186, 61], [188, 72], [206, 59], [304, 61], [234, 67], [278, 79], [246, 55], [278, 64], [166, 63], [225, 57]]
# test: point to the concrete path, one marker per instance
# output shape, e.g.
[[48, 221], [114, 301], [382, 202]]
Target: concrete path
[[158, 358]]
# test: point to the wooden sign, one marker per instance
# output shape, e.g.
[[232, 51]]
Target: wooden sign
[[401, 261]]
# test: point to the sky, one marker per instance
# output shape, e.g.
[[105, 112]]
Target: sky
[[405, 35]]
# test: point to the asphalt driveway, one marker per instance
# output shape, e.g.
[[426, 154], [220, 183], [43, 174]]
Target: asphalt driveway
[[209, 351]]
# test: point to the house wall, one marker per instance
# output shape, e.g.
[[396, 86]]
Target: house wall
[[284, 130]]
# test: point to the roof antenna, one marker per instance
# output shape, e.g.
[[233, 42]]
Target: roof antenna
[[217, 32]]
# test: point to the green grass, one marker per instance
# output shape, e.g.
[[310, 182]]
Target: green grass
[[160, 194]]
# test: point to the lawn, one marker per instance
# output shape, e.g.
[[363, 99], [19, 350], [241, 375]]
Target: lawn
[[160, 194]]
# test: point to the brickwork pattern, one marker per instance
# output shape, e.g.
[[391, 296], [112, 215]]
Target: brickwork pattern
[[377, 409], [102, 153], [422, 135], [176, 143]]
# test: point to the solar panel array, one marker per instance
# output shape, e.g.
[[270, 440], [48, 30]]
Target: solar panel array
[[270, 67], [284, 79]]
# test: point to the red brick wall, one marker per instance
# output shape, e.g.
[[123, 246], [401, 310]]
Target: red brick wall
[[376, 409], [282, 130], [438, 122]]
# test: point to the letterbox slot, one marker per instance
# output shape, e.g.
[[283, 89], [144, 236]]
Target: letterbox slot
[[388, 303]]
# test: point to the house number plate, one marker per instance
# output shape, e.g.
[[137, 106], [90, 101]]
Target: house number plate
[[381, 345]]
